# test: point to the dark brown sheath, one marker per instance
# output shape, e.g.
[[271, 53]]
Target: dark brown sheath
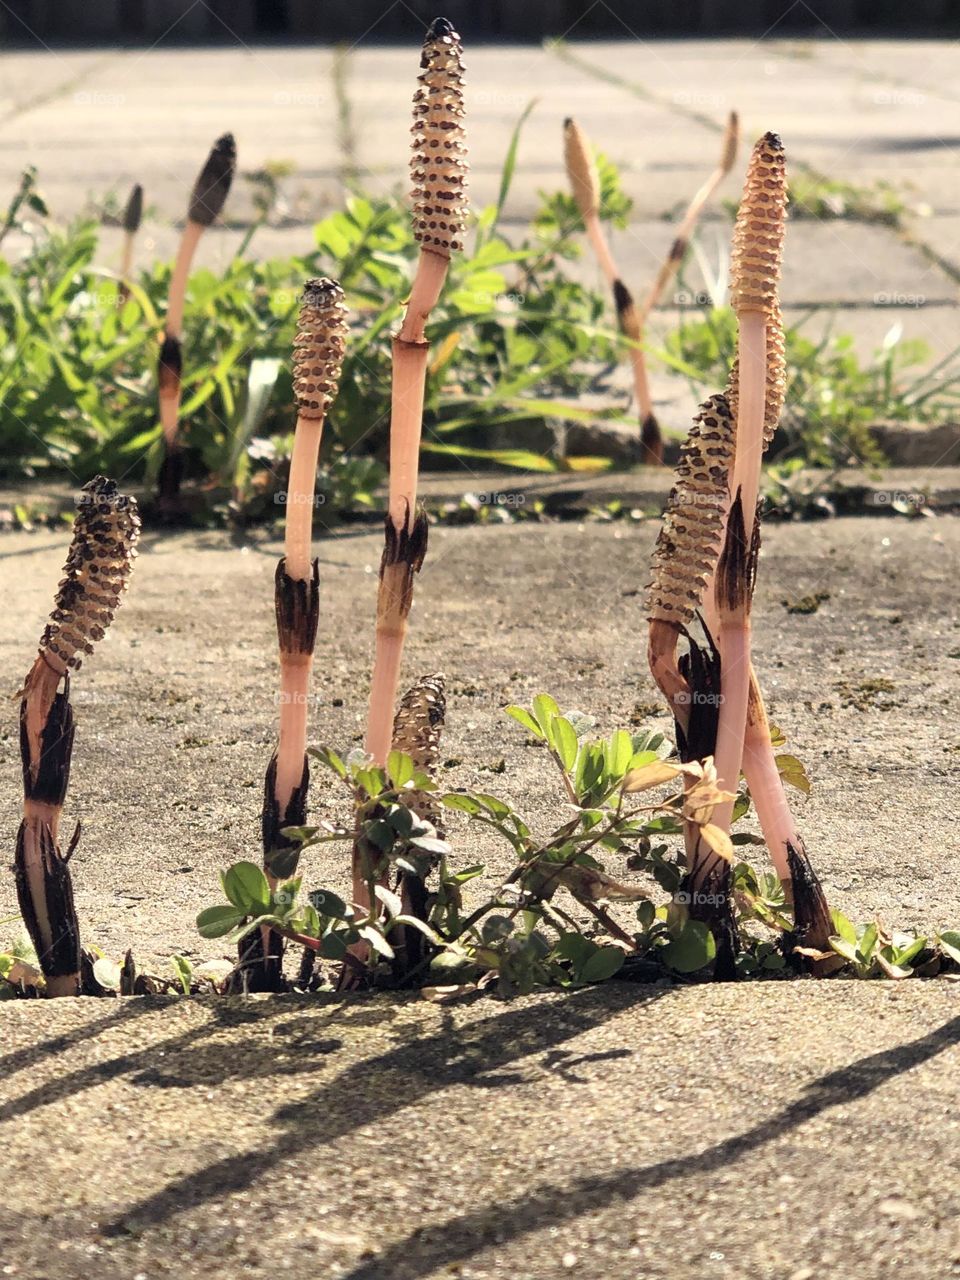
[[298, 609]]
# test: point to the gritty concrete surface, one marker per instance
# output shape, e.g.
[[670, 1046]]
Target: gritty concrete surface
[[176, 714], [776, 1132]]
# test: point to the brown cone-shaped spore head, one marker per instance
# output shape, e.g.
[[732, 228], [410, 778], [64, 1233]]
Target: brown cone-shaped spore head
[[689, 540], [581, 169], [758, 232], [318, 348], [133, 213], [98, 568], [417, 727], [439, 167], [212, 187]]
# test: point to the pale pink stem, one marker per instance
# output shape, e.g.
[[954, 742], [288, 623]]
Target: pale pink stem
[[735, 683], [766, 786], [126, 261], [301, 488], [170, 413], [383, 693], [410, 355], [641, 384], [759, 763], [406, 423], [678, 248], [598, 241], [734, 628], [294, 695], [424, 294], [295, 668], [178, 281]]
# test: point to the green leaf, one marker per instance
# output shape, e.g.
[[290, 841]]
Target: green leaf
[[184, 971], [949, 944], [867, 942], [108, 973], [793, 773], [465, 804], [376, 940], [510, 161], [575, 948], [411, 922], [693, 948], [246, 887], [646, 914], [546, 711], [844, 927], [844, 947], [431, 844], [603, 964], [565, 740], [216, 922], [522, 459], [330, 759], [389, 899], [523, 716], [619, 753], [399, 768]]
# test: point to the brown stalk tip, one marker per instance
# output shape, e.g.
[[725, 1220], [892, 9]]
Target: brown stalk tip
[[581, 169], [319, 347], [627, 317], [97, 571], [213, 185], [133, 213], [731, 140], [438, 167], [651, 440], [758, 232], [622, 297], [689, 540]]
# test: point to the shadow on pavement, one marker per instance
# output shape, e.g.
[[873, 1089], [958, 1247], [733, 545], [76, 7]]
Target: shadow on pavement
[[485, 1054], [429, 1250]]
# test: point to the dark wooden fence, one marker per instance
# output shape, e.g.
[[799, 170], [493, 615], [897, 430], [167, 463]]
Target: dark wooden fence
[[223, 21]]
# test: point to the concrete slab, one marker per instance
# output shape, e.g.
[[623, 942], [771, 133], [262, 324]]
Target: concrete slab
[[584, 1135], [177, 714]]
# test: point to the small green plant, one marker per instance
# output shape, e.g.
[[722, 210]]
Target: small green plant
[[832, 398], [516, 342], [561, 917]]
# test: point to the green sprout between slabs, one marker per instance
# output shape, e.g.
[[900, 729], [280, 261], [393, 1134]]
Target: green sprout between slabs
[[565, 914]]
